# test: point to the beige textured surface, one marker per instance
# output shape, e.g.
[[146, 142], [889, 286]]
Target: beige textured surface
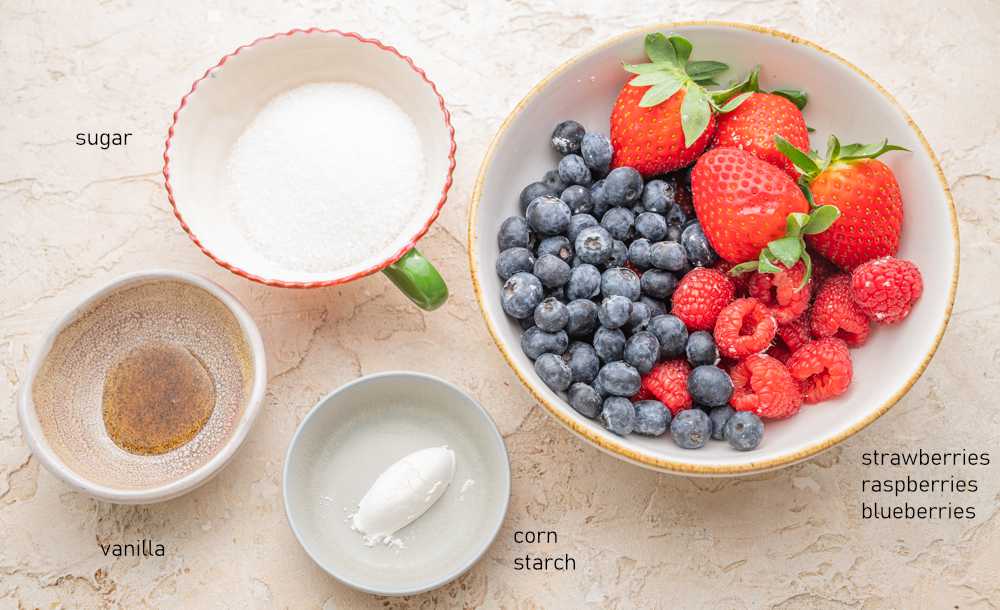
[[72, 218]]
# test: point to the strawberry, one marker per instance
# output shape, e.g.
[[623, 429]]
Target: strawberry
[[863, 189], [759, 116], [664, 118], [750, 209]]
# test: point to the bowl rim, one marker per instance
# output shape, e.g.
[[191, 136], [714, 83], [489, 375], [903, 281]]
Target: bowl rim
[[618, 448], [505, 482], [35, 436], [340, 279]]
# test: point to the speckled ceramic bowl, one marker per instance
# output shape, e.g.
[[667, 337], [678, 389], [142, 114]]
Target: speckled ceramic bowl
[[844, 100]]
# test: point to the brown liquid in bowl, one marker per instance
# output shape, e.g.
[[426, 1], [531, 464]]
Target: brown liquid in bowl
[[157, 398]]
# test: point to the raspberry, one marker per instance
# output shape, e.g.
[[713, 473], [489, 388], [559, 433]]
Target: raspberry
[[700, 296], [779, 352], [795, 334], [835, 314], [823, 369], [643, 394], [763, 385], [667, 382], [744, 327], [740, 282], [782, 293], [822, 269], [885, 288]]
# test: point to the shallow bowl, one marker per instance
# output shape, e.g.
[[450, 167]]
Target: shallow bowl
[[842, 100]]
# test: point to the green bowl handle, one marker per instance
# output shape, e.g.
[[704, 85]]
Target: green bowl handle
[[419, 280]]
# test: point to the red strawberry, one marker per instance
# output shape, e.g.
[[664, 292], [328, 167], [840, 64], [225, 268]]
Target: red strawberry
[[759, 116], [864, 190], [664, 118], [742, 202]]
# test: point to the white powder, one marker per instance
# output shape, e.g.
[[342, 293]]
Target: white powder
[[326, 176]]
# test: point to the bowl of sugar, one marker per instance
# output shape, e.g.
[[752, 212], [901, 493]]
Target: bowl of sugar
[[313, 158]]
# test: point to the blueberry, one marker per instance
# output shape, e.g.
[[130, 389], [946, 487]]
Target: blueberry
[[514, 260], [639, 318], [701, 349], [584, 282], [548, 215], [691, 428], [658, 196], [554, 372], [552, 180], [710, 386], [593, 245], [668, 255], [618, 415], [597, 388], [652, 418], [526, 323], [585, 399], [521, 294], [551, 315], [619, 254], [583, 361], [676, 217], [614, 311], [579, 222], [674, 233], [566, 137], [534, 191], [638, 253], [573, 170], [656, 308], [535, 342], [558, 294], [699, 251], [596, 151], [578, 199], [582, 317], [599, 199], [557, 245], [744, 430], [552, 271], [651, 225], [719, 417], [619, 222], [657, 283], [514, 233], [619, 379], [620, 281], [671, 333], [642, 350], [623, 186], [609, 344]]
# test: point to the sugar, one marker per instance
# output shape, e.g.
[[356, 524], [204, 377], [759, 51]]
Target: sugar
[[326, 176]]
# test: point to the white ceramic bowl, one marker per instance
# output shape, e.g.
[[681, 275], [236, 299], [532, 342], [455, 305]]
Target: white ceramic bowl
[[59, 454], [356, 432], [221, 104], [842, 100]]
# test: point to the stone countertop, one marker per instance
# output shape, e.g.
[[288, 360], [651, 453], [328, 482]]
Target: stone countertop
[[73, 218]]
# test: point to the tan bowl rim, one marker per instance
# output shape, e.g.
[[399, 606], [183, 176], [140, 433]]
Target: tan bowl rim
[[617, 448], [34, 435]]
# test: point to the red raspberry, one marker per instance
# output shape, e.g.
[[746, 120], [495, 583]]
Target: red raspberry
[[782, 293], [740, 281], [835, 314], [885, 288], [700, 296], [779, 352], [823, 369], [744, 327], [796, 333], [763, 385], [822, 269], [643, 394], [668, 383]]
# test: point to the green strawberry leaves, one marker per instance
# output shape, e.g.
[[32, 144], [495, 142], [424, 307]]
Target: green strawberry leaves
[[791, 248], [729, 99], [810, 164], [669, 71]]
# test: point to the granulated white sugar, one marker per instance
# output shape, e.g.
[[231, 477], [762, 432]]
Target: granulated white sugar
[[326, 176]]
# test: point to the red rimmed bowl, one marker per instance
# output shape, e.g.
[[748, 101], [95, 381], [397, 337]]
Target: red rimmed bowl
[[223, 102]]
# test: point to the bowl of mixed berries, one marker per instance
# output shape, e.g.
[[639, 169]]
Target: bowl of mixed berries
[[679, 276]]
